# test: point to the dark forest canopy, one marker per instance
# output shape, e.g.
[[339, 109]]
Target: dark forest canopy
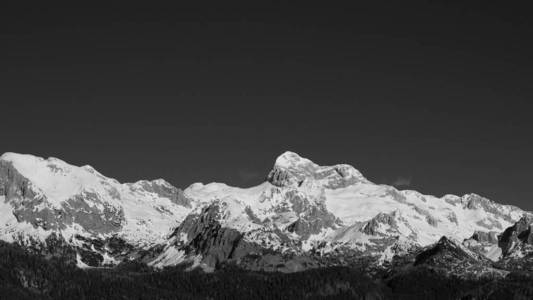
[[26, 276]]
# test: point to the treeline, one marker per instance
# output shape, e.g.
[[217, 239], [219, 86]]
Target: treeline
[[25, 276]]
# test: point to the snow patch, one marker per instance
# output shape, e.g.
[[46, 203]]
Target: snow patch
[[170, 257]]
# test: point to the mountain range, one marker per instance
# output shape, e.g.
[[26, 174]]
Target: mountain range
[[302, 217]]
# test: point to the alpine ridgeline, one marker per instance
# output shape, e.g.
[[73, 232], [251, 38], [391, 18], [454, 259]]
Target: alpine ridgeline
[[303, 216]]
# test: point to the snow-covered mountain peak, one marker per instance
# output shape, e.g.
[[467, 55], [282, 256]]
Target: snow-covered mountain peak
[[53, 178], [336, 203], [27, 161], [292, 160], [152, 183], [289, 158], [290, 169], [54, 196]]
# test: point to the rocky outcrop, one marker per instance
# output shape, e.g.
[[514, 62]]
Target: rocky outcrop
[[519, 233], [485, 237], [205, 236], [451, 258], [474, 201], [19, 193], [163, 189], [313, 217], [13, 185], [281, 178], [376, 224], [443, 251]]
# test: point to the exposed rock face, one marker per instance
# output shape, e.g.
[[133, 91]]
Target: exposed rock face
[[163, 189], [516, 244], [485, 243], [12, 184], [486, 237], [19, 192], [443, 251], [519, 233], [374, 226], [451, 257], [474, 201], [280, 177], [312, 216], [203, 235]]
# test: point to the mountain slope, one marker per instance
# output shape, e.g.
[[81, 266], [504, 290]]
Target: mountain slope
[[516, 244], [40, 196], [305, 218], [304, 207], [305, 215]]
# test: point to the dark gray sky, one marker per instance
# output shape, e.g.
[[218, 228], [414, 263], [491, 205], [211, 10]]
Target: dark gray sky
[[422, 94]]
